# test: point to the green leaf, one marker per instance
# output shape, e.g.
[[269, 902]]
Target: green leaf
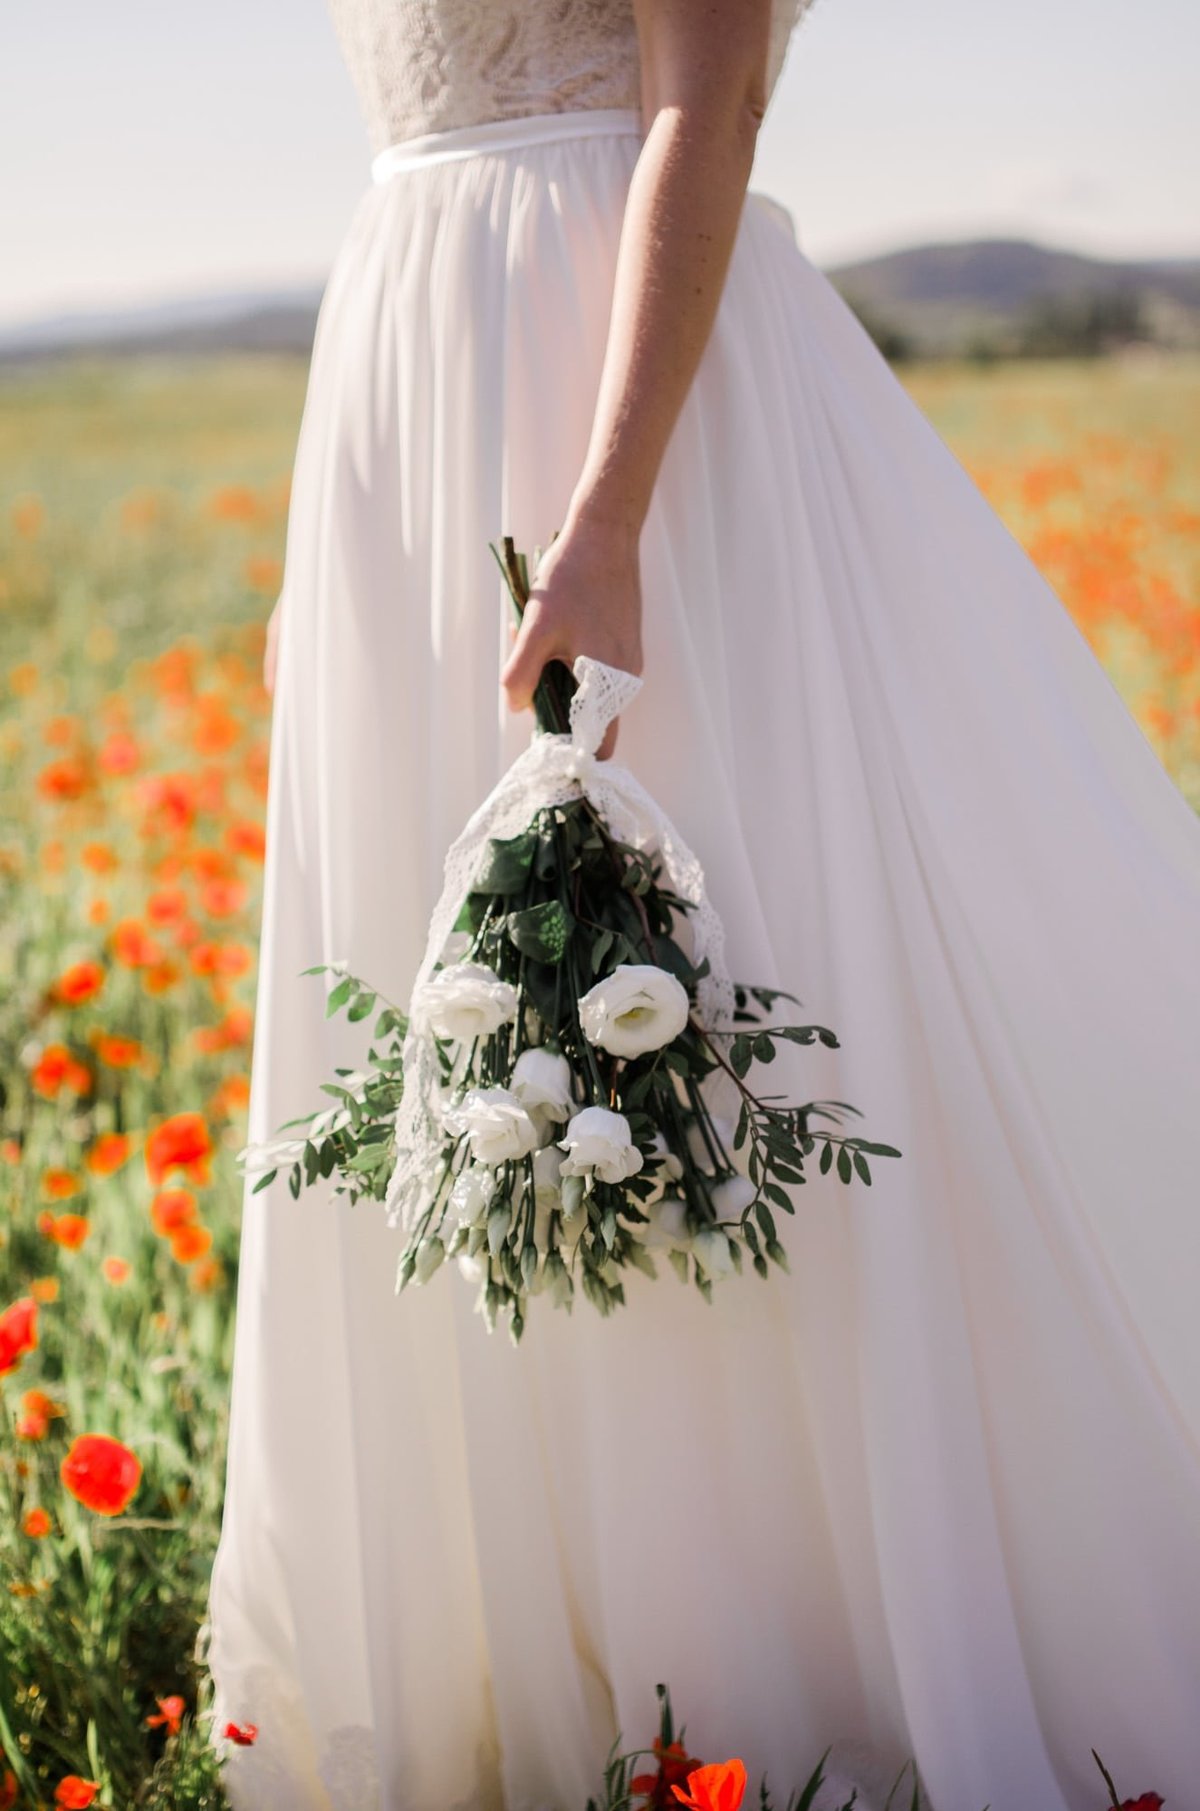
[[860, 1164], [505, 863], [827, 1038], [741, 1055], [364, 1004], [541, 931], [338, 997], [264, 1181], [766, 1220], [843, 1164], [601, 944], [764, 1049], [826, 1159]]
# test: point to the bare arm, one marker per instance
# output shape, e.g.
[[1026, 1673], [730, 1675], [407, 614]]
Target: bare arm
[[704, 82]]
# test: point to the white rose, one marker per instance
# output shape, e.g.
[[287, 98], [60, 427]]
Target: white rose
[[472, 1191], [711, 1247], [598, 1144], [731, 1196], [474, 1269], [496, 1123], [465, 1001], [636, 1008], [668, 1226], [541, 1079]]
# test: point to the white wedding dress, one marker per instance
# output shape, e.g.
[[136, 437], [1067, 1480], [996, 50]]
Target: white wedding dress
[[937, 1492]]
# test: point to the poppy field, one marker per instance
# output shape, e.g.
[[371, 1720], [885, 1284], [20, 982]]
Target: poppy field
[[143, 509]]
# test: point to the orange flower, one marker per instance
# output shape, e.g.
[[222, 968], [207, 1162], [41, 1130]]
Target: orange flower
[[37, 1412], [18, 1333], [116, 1270], [247, 838], [131, 944], [169, 1714], [119, 753], [179, 1143], [263, 573], [720, 1787], [79, 983], [8, 1788], [75, 1794], [674, 1765], [170, 802], [68, 1230], [172, 1208], [160, 976], [10, 1150], [234, 1029], [232, 1096], [36, 1524], [108, 1153], [190, 1242], [205, 1275], [222, 898], [99, 911], [99, 857], [117, 1052], [60, 1185], [235, 503], [65, 779], [244, 1734], [101, 1473], [44, 1289], [57, 1069], [166, 904]]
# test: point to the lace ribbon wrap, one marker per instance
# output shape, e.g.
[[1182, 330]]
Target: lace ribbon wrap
[[554, 769]]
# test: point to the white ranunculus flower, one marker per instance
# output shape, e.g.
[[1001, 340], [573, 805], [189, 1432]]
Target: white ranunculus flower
[[471, 1194], [542, 1079], [668, 1228], [496, 1123], [730, 1197], [465, 1001], [724, 1130], [711, 1247], [637, 1008], [598, 1143]]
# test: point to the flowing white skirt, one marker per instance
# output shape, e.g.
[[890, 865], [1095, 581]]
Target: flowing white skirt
[[938, 1491]]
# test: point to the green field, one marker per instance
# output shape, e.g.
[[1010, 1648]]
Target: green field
[[142, 516]]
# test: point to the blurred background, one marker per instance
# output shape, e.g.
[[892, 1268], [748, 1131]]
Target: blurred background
[[1004, 194]]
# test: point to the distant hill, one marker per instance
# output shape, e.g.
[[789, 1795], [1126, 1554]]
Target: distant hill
[[1005, 293], [985, 297]]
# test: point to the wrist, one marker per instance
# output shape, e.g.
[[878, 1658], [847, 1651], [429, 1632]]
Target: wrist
[[595, 510]]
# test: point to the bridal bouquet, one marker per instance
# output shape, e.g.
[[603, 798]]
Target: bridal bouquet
[[566, 1097]]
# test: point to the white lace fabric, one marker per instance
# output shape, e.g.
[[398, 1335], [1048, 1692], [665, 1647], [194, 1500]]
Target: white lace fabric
[[553, 770], [423, 66]]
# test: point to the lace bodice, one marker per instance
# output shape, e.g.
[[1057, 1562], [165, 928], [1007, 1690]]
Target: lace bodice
[[426, 65]]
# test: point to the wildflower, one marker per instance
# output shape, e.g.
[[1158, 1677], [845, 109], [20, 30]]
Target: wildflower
[[57, 1070], [132, 946], [108, 1153], [674, 1765], [79, 983], [169, 1714], [101, 1473], [36, 1524], [59, 1184], [118, 1052], [18, 1333], [65, 779], [68, 1230], [37, 1412], [244, 1734], [172, 1208], [179, 1143], [75, 1794], [44, 1289], [190, 1242], [8, 1788], [205, 1274], [119, 753], [720, 1787], [116, 1270]]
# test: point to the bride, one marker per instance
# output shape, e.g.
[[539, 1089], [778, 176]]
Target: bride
[[936, 1492]]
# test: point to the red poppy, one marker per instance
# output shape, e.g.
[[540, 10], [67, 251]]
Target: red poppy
[[189, 1243], [59, 1184], [179, 1143], [172, 1208], [18, 1333], [119, 753], [67, 778], [79, 983], [118, 1052], [37, 1412], [132, 946], [36, 1525], [8, 1789], [68, 1230], [75, 1794], [244, 1734], [720, 1787], [1149, 1801], [57, 1069], [101, 1473], [169, 1714], [108, 1153], [116, 1270], [674, 1765], [166, 905]]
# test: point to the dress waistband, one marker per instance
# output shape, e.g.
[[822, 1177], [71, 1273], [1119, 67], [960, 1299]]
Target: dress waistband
[[503, 135]]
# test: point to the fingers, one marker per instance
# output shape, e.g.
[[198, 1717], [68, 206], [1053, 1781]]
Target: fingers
[[531, 650]]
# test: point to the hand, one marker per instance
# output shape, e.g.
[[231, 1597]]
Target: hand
[[271, 649], [586, 598]]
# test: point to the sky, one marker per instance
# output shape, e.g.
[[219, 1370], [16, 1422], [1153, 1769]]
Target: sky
[[152, 151]]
